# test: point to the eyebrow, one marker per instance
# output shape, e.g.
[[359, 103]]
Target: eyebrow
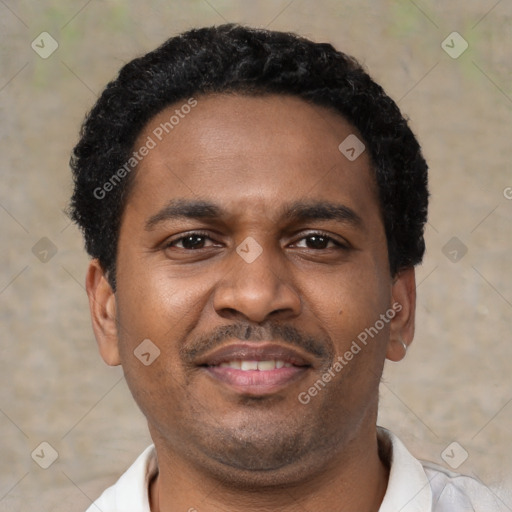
[[322, 210], [184, 209], [295, 211]]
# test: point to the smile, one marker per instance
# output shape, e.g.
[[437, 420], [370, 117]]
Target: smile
[[256, 369], [262, 366]]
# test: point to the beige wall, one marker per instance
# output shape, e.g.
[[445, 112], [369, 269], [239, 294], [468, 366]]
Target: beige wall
[[456, 382]]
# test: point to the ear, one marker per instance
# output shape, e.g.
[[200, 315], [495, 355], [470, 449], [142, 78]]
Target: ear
[[404, 304], [102, 304]]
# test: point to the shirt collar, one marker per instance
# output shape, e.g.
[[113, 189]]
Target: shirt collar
[[408, 486], [133, 490]]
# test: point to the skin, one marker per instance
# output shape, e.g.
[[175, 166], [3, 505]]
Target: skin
[[220, 449]]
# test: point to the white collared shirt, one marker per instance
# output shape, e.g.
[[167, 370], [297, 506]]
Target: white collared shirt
[[413, 486]]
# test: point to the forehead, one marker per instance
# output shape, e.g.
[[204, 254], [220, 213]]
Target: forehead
[[253, 152]]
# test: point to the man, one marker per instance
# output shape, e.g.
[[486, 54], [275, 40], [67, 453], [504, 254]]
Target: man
[[254, 207]]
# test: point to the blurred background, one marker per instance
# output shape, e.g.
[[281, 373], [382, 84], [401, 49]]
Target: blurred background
[[449, 67]]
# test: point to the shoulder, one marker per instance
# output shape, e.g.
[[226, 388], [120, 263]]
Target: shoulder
[[428, 487], [450, 489]]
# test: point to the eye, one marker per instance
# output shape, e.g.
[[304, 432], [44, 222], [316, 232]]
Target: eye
[[321, 241], [198, 239], [191, 241]]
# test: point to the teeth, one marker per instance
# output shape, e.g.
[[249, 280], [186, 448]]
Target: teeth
[[266, 365], [249, 365], [255, 365]]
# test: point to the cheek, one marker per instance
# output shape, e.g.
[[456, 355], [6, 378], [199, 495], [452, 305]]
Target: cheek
[[349, 300], [157, 306], [155, 302], [155, 316], [350, 312]]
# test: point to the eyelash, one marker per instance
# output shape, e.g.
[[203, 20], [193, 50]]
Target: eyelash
[[203, 234]]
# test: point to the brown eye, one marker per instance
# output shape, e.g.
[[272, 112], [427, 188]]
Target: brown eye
[[317, 242], [190, 242], [321, 241], [193, 242]]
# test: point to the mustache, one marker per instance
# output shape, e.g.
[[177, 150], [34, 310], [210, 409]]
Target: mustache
[[322, 349]]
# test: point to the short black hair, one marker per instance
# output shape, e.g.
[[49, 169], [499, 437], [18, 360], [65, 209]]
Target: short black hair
[[232, 58]]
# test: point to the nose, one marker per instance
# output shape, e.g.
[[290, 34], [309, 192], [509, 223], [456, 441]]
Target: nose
[[257, 289]]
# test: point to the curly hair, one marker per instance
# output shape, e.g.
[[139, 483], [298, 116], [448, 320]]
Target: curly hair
[[238, 59]]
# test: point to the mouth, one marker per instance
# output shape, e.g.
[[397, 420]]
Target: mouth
[[256, 369]]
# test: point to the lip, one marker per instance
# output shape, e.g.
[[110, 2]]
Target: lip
[[256, 382]]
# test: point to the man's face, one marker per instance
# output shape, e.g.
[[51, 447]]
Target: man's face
[[257, 276]]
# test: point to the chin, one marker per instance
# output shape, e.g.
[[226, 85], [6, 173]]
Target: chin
[[248, 459]]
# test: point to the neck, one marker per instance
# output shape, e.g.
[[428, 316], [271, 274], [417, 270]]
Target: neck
[[355, 478]]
